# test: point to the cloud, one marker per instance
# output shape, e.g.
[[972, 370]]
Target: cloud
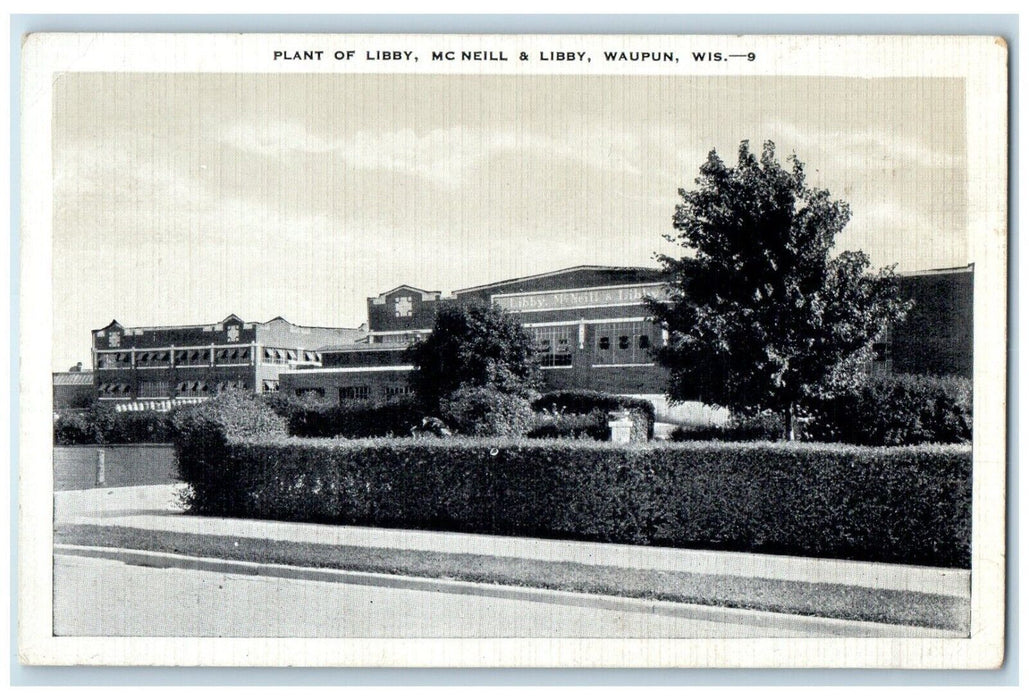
[[448, 157], [885, 148]]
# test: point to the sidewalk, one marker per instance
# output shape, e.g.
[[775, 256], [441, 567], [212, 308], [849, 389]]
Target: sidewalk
[[843, 588]]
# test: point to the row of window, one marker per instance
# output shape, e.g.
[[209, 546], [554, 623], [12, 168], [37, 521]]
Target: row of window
[[163, 358], [364, 393], [202, 357], [114, 390], [396, 338], [160, 389], [614, 343], [202, 388], [284, 356], [355, 393]]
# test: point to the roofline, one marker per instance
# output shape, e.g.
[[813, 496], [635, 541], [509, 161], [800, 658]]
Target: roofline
[[407, 286], [970, 267], [297, 325], [553, 273], [215, 323]]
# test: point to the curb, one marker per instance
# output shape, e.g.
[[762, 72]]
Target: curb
[[800, 623]]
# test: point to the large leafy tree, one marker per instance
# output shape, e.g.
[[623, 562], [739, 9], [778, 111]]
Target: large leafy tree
[[760, 314], [473, 344]]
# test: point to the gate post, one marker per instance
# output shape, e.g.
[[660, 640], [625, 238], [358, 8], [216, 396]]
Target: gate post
[[100, 476]]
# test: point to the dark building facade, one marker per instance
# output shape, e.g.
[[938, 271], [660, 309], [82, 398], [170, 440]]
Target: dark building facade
[[936, 336], [592, 332], [590, 324], [154, 367]]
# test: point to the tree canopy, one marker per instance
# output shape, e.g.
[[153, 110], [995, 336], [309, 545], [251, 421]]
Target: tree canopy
[[473, 344], [760, 313]]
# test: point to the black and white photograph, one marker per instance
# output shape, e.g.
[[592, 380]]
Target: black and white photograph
[[356, 350]]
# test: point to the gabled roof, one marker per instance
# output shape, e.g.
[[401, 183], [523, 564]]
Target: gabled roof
[[113, 324], [426, 295]]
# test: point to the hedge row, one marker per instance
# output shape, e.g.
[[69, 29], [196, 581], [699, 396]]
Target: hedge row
[[203, 435], [470, 411], [904, 505], [350, 419], [102, 425], [894, 410]]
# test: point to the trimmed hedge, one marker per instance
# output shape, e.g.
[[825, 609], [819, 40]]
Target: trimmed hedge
[[102, 425], [906, 505], [641, 411], [203, 433], [895, 410], [350, 419]]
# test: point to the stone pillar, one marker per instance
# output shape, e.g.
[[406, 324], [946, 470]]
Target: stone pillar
[[101, 475]]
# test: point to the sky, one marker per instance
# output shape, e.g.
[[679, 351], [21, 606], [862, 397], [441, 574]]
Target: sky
[[182, 198]]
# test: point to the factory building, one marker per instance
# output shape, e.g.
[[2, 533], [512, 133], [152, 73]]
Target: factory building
[[156, 367], [592, 332]]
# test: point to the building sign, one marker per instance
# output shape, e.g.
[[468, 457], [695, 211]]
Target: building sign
[[580, 298]]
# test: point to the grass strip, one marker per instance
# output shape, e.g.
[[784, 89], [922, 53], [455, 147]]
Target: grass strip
[[744, 592]]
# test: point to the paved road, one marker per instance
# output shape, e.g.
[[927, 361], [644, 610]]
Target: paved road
[[100, 597]]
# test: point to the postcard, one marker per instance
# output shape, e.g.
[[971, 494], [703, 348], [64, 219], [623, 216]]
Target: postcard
[[513, 350]]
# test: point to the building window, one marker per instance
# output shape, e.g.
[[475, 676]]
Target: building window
[[231, 356], [281, 356], [192, 389], [113, 390], [554, 345], [633, 346], [113, 360], [355, 393], [153, 358], [882, 356], [269, 386], [193, 358], [311, 393], [398, 390], [154, 390]]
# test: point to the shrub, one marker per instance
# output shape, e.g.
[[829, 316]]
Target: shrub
[[139, 426], [76, 428], [350, 419], [765, 426], [576, 426], [202, 434], [485, 411], [904, 505], [102, 425], [640, 411], [895, 410]]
